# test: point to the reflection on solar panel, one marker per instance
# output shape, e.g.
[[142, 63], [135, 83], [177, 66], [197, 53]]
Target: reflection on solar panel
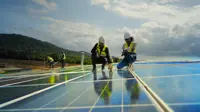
[[174, 84]]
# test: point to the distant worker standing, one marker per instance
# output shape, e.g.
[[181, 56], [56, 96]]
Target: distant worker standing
[[129, 52], [50, 60], [100, 53], [63, 58]]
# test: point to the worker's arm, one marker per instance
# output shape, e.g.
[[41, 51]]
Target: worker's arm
[[134, 47], [93, 51], [124, 52], [108, 56]]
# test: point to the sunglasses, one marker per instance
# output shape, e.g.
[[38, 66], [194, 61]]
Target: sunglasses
[[126, 39], [130, 38], [101, 43]]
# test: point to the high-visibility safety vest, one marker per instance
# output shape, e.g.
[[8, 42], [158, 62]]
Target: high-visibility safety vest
[[103, 52], [50, 58], [129, 48], [64, 56]]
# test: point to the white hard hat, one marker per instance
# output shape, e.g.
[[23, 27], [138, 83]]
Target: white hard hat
[[127, 35], [101, 39]]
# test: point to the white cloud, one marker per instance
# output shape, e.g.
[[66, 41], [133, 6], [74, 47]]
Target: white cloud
[[105, 3], [74, 36], [162, 13], [46, 4], [166, 1], [97, 2], [146, 41], [38, 11]]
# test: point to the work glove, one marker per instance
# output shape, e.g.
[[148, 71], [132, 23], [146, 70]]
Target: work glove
[[110, 67], [124, 52]]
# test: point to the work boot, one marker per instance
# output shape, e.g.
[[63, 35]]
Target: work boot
[[130, 67]]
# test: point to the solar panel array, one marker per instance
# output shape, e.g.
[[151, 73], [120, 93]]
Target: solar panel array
[[84, 91]]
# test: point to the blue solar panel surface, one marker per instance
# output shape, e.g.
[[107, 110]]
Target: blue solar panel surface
[[176, 84]]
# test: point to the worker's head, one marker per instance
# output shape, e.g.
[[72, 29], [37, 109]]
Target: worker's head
[[128, 37], [101, 41]]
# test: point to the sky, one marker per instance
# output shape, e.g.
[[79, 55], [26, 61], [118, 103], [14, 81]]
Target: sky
[[160, 27]]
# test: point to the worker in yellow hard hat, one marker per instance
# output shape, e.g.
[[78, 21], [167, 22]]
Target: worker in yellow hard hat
[[129, 51], [100, 53]]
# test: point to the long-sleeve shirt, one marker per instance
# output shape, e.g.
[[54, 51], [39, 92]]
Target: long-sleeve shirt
[[94, 52]]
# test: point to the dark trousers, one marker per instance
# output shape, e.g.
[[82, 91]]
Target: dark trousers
[[128, 59], [98, 60], [51, 64], [62, 63]]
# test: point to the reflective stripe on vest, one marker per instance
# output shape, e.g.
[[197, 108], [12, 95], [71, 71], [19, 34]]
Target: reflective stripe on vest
[[129, 48], [103, 52]]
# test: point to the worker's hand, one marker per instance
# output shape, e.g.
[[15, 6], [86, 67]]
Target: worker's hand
[[124, 52], [110, 67]]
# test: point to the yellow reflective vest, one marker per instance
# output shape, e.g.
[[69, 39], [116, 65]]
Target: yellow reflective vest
[[103, 52], [130, 48], [50, 58]]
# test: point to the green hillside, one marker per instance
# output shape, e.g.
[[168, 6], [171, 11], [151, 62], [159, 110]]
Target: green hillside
[[17, 46]]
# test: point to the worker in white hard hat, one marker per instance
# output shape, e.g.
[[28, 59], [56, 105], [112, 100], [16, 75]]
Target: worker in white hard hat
[[129, 51], [100, 54]]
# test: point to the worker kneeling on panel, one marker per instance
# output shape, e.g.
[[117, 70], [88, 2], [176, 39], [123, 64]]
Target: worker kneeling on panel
[[100, 54], [129, 52]]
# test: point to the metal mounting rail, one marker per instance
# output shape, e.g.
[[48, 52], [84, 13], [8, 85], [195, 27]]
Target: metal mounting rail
[[163, 107]]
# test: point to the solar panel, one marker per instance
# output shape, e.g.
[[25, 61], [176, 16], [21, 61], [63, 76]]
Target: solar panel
[[106, 91], [176, 86]]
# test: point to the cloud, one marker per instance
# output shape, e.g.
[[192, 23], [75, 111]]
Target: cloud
[[38, 11], [74, 36], [46, 6], [162, 13], [105, 3], [166, 1], [97, 2]]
